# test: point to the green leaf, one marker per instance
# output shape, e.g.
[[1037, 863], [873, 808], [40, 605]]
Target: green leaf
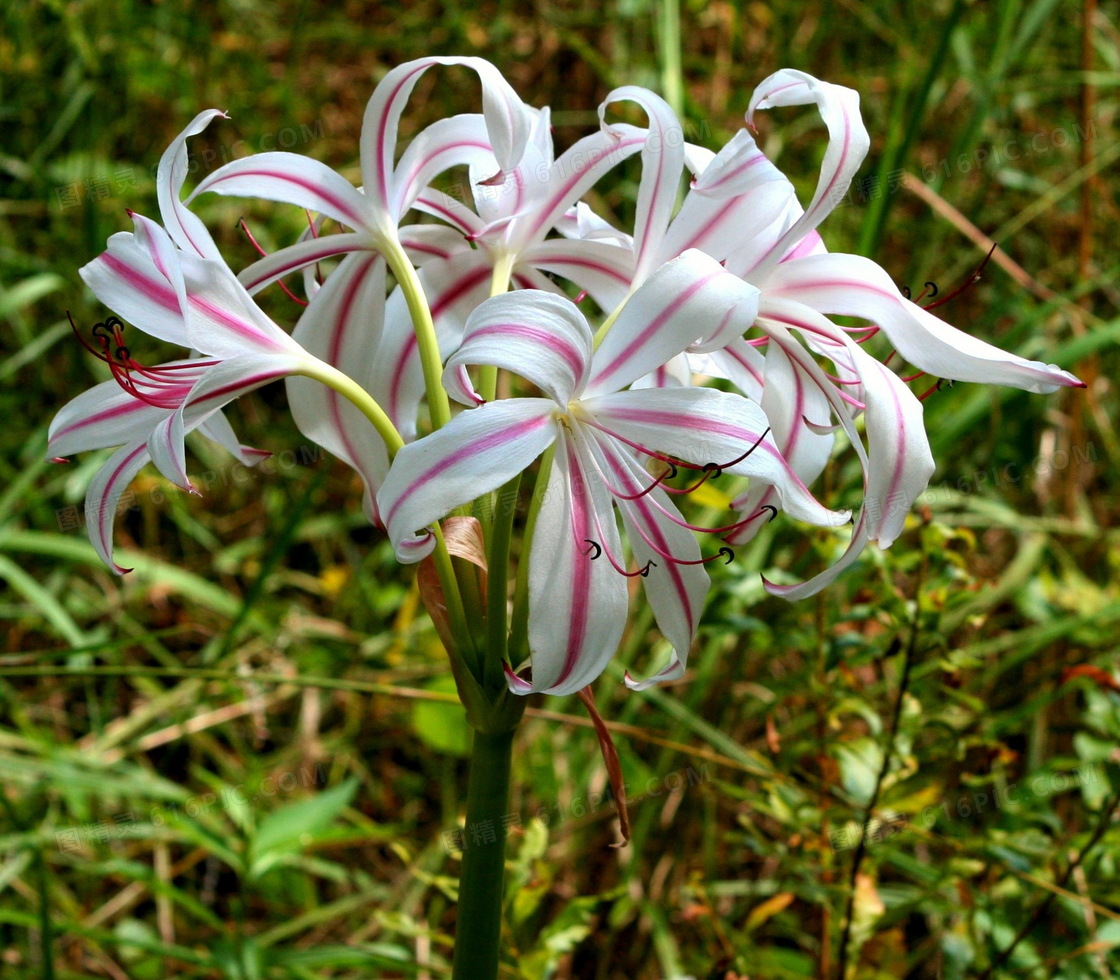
[[441, 726], [295, 826], [860, 762]]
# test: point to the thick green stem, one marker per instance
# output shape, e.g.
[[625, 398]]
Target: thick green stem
[[478, 928]]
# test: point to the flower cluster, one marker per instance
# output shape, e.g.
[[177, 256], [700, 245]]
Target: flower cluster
[[445, 350]]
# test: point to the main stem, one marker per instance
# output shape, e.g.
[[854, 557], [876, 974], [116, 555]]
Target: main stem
[[479, 926]]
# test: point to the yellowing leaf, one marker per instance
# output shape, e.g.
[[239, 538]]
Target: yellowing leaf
[[768, 909]]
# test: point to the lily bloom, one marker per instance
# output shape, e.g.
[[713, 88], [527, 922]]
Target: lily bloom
[[196, 303], [801, 285], [600, 440], [743, 212]]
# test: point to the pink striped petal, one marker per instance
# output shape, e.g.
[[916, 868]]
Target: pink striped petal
[[222, 318], [603, 270], [452, 142], [735, 200], [662, 168], [104, 416], [217, 429], [577, 606], [507, 123], [423, 243], [184, 227], [821, 580], [304, 253], [475, 453], [125, 278], [572, 174], [898, 461], [103, 497], [452, 210], [848, 142], [690, 302], [675, 591], [539, 336], [705, 425], [169, 452], [851, 285], [792, 403], [342, 326], [294, 179]]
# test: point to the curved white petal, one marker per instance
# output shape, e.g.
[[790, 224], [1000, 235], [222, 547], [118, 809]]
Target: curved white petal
[[222, 318], [455, 141], [604, 270], [104, 416], [507, 122], [104, 496], [452, 210], [184, 227], [571, 175], [292, 179], [796, 408], [848, 141], [706, 426], [662, 168], [801, 590], [739, 362], [125, 278], [583, 224], [540, 336], [675, 590], [476, 452], [731, 204], [342, 326], [169, 452], [899, 462], [522, 188], [778, 209], [690, 302], [302, 254], [230, 379], [577, 605], [217, 429], [738, 168], [423, 243], [851, 285]]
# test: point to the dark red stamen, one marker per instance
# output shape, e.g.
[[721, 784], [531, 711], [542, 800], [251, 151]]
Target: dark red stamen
[[244, 225], [160, 387]]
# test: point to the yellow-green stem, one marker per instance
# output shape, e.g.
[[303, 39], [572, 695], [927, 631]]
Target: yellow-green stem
[[361, 399], [439, 408], [499, 283]]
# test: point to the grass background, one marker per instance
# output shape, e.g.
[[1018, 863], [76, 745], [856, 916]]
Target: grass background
[[241, 759]]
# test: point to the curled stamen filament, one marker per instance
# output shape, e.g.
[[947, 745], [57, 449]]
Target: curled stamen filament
[[596, 550], [161, 387], [260, 251]]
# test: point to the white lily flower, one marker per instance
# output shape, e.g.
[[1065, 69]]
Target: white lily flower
[[194, 302], [602, 435]]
